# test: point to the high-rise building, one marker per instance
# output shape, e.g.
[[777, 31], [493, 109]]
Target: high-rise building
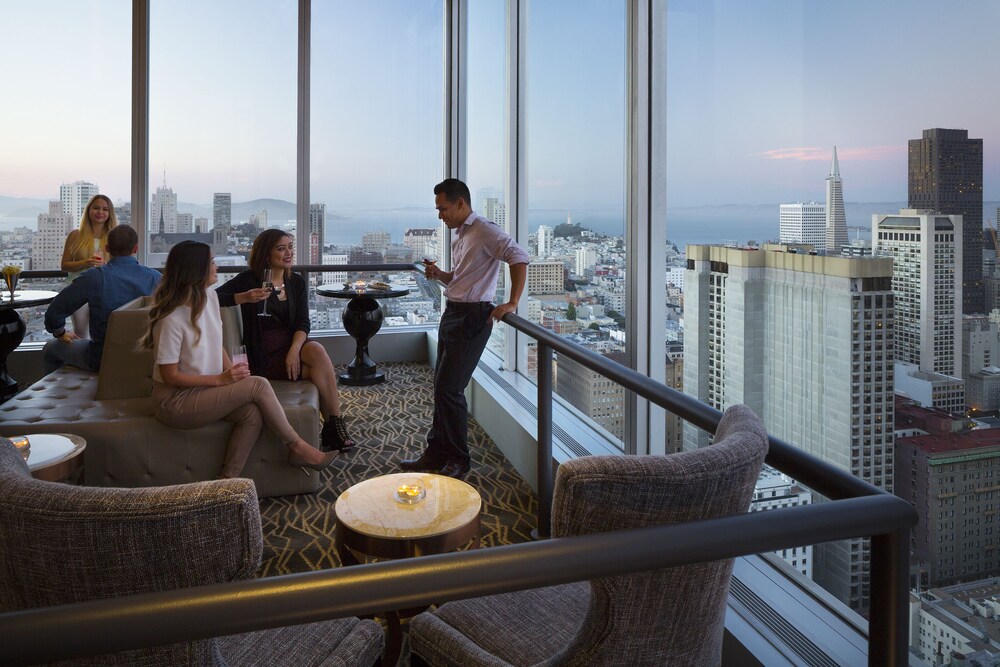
[[806, 342], [546, 278], [980, 344], [836, 215], [674, 378], [259, 219], [74, 197], [185, 223], [926, 250], [591, 393], [424, 241], [201, 225], [496, 211], [584, 260], [163, 212], [375, 241], [123, 212], [544, 236], [950, 478], [222, 210], [47, 243], [803, 222], [946, 176], [317, 226]]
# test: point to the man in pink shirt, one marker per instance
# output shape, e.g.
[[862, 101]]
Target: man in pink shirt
[[477, 248]]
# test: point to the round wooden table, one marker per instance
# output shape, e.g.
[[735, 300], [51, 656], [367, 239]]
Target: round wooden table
[[371, 523]]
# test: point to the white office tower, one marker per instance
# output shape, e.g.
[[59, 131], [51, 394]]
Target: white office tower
[[336, 278], [163, 212], [74, 197], [47, 243], [836, 216], [375, 241], [926, 249], [775, 490], [806, 342], [496, 211], [185, 223], [803, 222], [317, 226], [259, 219], [585, 260], [424, 241], [544, 236]]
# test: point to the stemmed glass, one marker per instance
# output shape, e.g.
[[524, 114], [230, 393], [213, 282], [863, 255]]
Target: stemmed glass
[[271, 276], [268, 284]]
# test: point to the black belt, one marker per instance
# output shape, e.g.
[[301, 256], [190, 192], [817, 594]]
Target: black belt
[[469, 305]]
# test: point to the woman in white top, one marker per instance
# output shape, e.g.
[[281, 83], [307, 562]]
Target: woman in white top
[[194, 381]]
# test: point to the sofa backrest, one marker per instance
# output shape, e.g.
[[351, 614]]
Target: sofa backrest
[[126, 368], [232, 327]]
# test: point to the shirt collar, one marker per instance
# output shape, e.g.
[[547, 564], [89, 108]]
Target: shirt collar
[[471, 219], [124, 258]]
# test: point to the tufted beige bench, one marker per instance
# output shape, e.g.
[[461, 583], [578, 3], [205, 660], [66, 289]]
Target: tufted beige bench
[[126, 446]]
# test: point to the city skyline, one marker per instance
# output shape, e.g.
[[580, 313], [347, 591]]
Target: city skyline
[[756, 98]]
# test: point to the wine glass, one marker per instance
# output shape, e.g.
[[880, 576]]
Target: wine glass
[[276, 275], [268, 284]]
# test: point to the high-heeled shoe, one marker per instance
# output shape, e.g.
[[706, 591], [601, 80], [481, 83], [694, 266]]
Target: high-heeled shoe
[[334, 436], [328, 458]]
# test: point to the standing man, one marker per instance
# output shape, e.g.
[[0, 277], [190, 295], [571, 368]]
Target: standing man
[[104, 289], [477, 248]]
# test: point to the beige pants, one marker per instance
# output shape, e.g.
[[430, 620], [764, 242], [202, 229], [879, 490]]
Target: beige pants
[[247, 404]]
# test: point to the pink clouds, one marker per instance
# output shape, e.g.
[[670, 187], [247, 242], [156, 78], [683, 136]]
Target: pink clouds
[[811, 153]]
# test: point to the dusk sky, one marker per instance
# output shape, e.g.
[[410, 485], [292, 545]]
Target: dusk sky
[[758, 94]]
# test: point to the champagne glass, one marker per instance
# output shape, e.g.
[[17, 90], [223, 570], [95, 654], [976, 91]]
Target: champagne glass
[[268, 284]]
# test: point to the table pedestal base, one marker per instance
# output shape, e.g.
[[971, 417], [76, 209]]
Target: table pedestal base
[[12, 330], [362, 320]]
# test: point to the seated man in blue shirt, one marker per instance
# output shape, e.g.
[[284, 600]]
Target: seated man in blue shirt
[[104, 288]]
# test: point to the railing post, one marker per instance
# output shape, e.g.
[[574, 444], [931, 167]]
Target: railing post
[[544, 442], [889, 617]]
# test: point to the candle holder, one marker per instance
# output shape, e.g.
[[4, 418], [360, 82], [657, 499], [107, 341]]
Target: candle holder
[[22, 444], [409, 492], [11, 275]]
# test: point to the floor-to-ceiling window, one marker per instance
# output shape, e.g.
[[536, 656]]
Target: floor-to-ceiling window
[[576, 119], [222, 123], [376, 128], [64, 128]]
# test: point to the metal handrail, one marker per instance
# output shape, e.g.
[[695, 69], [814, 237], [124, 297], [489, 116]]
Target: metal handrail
[[858, 509]]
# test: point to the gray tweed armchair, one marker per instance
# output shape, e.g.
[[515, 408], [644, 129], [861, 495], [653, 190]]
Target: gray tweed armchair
[[61, 544], [672, 616]]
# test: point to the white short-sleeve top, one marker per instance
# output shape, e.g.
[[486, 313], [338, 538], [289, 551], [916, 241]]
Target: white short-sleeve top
[[174, 340]]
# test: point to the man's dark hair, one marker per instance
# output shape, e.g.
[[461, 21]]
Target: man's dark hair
[[452, 189], [122, 241]]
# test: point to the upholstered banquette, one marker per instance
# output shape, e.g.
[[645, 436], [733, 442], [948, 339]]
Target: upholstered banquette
[[126, 446]]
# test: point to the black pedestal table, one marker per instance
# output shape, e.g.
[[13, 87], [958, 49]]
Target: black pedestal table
[[12, 330], [362, 320]]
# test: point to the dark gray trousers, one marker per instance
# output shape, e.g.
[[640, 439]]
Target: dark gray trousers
[[462, 337]]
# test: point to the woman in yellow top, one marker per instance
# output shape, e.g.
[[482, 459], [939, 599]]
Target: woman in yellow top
[[84, 249]]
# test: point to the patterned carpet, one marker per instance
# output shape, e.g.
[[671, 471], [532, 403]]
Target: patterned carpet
[[298, 530]]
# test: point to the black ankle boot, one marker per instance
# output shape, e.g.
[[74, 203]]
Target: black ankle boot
[[334, 436]]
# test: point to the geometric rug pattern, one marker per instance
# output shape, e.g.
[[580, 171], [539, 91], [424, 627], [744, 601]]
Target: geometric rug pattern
[[389, 421]]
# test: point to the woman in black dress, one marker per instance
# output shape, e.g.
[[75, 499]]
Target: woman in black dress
[[277, 346]]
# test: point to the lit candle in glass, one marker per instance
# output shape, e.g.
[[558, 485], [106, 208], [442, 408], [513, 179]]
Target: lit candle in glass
[[22, 444], [410, 491]]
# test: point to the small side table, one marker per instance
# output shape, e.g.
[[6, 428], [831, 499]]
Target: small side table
[[371, 523], [56, 457], [362, 320], [12, 330]]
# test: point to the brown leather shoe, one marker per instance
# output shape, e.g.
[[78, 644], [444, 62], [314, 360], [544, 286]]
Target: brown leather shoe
[[456, 468], [423, 463]]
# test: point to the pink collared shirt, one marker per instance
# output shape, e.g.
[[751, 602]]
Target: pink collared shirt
[[477, 249]]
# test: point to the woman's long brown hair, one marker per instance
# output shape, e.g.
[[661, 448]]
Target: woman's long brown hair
[[183, 284], [260, 253]]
